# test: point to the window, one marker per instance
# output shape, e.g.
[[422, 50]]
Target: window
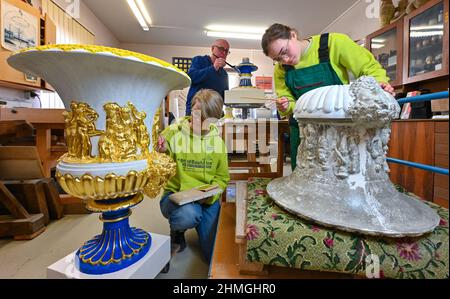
[[183, 63]]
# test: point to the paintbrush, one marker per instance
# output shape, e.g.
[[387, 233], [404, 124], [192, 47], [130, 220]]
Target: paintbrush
[[230, 65]]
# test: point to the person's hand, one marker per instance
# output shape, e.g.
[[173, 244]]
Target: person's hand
[[271, 104], [388, 88], [218, 63], [162, 144], [282, 104]]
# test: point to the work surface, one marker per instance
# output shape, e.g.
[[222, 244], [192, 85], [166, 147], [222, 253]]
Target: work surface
[[276, 237]]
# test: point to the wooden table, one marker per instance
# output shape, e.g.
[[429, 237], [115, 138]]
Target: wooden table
[[44, 121]]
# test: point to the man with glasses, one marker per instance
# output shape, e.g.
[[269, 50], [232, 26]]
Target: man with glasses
[[207, 72]]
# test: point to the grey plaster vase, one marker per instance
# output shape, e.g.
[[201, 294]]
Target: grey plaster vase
[[341, 179]]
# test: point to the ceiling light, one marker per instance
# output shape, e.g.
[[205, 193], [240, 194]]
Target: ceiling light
[[138, 14], [376, 46], [425, 33], [234, 35], [417, 28], [243, 32], [237, 29], [144, 11]]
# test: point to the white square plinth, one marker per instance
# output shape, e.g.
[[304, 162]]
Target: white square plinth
[[147, 267]]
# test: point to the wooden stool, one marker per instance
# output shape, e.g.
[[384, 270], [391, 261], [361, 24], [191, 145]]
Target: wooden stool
[[30, 199], [37, 196], [20, 224]]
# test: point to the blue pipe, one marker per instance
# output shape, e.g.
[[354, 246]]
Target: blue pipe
[[424, 97], [418, 165]]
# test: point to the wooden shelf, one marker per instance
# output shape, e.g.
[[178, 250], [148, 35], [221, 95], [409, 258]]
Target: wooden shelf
[[18, 86]]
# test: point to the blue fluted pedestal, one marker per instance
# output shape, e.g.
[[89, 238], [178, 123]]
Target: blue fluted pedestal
[[149, 266], [118, 247]]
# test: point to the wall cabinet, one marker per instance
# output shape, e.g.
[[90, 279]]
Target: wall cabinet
[[10, 77], [414, 48], [426, 42], [56, 26]]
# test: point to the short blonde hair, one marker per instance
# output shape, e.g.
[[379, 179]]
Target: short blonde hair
[[211, 103]]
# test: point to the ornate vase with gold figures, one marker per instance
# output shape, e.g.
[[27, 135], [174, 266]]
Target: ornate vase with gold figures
[[111, 96]]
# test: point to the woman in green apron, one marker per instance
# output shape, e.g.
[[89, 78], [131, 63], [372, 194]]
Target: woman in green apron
[[321, 60]]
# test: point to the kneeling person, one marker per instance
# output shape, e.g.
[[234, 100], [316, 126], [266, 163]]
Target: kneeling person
[[201, 158]]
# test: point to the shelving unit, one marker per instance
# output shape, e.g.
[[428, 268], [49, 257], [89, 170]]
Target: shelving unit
[[420, 42]]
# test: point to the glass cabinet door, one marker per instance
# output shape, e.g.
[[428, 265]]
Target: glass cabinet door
[[384, 48], [426, 34]]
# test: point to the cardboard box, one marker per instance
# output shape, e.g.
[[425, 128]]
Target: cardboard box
[[439, 105]]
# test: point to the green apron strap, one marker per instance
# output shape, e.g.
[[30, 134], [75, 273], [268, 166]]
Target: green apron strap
[[324, 52]]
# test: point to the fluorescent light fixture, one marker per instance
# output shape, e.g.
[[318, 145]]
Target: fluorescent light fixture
[[425, 33], [138, 14], [234, 35], [378, 40], [242, 32], [144, 11], [237, 29], [417, 28], [376, 46]]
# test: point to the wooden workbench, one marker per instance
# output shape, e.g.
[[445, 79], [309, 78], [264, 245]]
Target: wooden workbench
[[44, 121]]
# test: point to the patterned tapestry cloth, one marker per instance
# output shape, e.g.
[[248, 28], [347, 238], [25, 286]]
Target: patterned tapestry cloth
[[276, 237]]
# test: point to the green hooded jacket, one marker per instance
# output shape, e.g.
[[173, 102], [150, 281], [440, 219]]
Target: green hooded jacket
[[200, 159]]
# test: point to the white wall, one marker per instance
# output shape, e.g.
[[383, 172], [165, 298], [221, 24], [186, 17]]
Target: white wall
[[86, 18], [102, 34], [265, 65], [359, 20], [16, 98]]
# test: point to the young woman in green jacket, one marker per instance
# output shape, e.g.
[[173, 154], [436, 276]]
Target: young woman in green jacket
[[201, 158], [305, 64]]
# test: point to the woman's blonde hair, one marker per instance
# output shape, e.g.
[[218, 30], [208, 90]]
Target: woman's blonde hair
[[211, 103]]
